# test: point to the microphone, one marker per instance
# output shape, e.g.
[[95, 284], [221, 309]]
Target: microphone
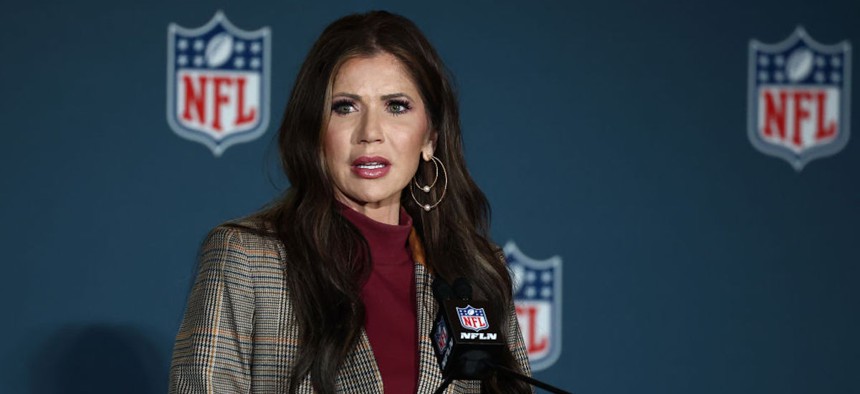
[[463, 339], [441, 290], [462, 288]]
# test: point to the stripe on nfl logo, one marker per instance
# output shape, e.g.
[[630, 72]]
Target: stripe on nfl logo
[[218, 83], [799, 94]]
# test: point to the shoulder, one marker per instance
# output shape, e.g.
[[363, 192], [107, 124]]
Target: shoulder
[[250, 237], [230, 312], [241, 246], [240, 263]]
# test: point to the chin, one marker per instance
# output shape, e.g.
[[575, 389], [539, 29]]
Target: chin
[[375, 199]]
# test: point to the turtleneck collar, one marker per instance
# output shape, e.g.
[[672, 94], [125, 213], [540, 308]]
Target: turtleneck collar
[[387, 242]]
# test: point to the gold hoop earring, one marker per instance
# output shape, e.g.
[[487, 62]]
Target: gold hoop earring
[[426, 189]]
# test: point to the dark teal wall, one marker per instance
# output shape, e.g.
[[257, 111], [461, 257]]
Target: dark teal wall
[[612, 134]]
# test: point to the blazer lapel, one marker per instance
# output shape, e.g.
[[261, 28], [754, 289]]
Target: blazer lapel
[[429, 374], [359, 373]]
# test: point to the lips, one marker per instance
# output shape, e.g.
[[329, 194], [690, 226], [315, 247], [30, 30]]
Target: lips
[[370, 167]]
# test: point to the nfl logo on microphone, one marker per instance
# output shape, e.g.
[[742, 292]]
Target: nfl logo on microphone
[[472, 318], [537, 294], [218, 83], [799, 98]]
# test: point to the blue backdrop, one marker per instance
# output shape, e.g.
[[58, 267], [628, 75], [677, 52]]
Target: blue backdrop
[[610, 133]]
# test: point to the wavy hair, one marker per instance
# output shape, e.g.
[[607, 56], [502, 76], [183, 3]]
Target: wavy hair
[[327, 259]]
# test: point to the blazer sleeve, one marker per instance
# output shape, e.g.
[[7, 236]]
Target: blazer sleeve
[[213, 352], [516, 342], [515, 336]]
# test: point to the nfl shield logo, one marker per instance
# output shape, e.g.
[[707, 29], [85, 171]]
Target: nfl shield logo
[[798, 98], [218, 83], [472, 318], [537, 294]]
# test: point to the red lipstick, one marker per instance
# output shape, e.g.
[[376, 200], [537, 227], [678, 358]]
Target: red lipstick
[[371, 167]]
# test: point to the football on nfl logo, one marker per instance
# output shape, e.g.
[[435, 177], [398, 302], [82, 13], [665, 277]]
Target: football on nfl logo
[[537, 295], [472, 318], [218, 83], [799, 94]]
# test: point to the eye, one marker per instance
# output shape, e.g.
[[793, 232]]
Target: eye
[[343, 107], [398, 107]]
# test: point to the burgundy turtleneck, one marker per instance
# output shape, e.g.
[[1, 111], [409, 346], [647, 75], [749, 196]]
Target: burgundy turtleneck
[[389, 300]]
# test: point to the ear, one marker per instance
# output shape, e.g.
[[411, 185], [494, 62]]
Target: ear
[[429, 146]]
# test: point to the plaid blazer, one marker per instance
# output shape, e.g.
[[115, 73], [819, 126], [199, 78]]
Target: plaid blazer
[[238, 333]]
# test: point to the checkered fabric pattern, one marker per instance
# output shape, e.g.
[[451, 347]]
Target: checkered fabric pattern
[[239, 333]]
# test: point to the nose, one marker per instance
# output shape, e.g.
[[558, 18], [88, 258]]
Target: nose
[[370, 129]]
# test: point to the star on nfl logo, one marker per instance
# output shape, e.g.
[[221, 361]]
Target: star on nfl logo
[[218, 83], [472, 318], [799, 98], [537, 295]]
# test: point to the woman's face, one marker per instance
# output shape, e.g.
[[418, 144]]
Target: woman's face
[[376, 134]]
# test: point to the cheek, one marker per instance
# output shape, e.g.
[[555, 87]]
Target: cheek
[[419, 134], [328, 145], [332, 153], [334, 145], [411, 144]]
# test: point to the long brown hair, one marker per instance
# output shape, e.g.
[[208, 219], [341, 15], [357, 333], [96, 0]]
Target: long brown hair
[[326, 257]]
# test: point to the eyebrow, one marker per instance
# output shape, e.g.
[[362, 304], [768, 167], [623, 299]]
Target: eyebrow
[[395, 95], [383, 98]]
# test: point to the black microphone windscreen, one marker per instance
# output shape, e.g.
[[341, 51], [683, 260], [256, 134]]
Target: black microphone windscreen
[[441, 289], [462, 288]]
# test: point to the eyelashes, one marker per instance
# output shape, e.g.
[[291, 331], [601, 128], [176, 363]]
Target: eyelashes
[[398, 107], [343, 106], [395, 107]]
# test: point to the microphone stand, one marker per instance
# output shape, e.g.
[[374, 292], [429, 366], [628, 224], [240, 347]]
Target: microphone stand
[[528, 379], [511, 374]]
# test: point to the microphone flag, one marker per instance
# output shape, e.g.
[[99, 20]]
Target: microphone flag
[[473, 318]]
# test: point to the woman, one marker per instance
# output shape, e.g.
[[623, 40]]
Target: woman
[[329, 288]]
